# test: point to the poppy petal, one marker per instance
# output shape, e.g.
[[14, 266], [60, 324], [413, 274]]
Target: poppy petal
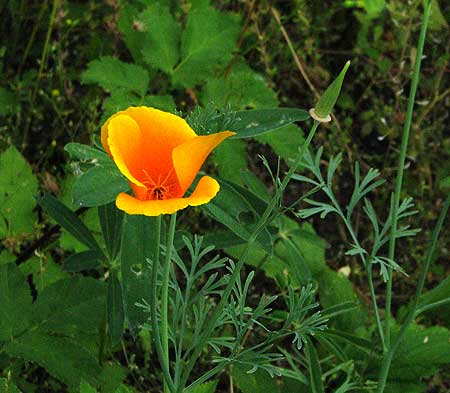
[[206, 189], [124, 142], [190, 156]]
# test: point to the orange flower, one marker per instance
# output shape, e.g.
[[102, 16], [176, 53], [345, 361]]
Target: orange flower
[[160, 155]]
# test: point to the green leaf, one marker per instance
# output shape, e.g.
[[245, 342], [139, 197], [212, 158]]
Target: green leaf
[[236, 208], [208, 387], [437, 20], [115, 309], [162, 38], [285, 142], [68, 220], [139, 245], [84, 260], [86, 388], [374, 7], [255, 122], [86, 153], [111, 220], [206, 45], [315, 373], [99, 186], [15, 301], [17, 186], [64, 358], [132, 29], [72, 306], [8, 102], [242, 89], [231, 159], [111, 73], [254, 382]]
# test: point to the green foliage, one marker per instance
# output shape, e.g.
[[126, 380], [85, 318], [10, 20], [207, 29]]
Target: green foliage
[[8, 102], [209, 387], [206, 45], [111, 74], [18, 185]]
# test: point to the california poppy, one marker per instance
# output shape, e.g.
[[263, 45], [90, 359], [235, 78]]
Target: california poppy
[[160, 155]]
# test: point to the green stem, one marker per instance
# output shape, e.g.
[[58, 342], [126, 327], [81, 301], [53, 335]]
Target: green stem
[[165, 294], [387, 359], [154, 315], [401, 165], [259, 227]]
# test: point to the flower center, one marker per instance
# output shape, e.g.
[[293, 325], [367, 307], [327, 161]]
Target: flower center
[[159, 190]]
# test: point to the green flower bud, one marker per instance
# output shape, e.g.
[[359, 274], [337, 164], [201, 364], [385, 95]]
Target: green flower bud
[[326, 103]]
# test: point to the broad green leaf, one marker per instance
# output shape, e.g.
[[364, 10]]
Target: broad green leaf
[[68, 220], [374, 7], [15, 302], [115, 309], [98, 186], [63, 357], [242, 89], [84, 260], [17, 187], [253, 382], [285, 142], [255, 122], [111, 220], [8, 102], [111, 73], [231, 159], [315, 373], [44, 270], [132, 29], [208, 387], [138, 248], [161, 47], [234, 210], [72, 306], [8, 387], [124, 389], [207, 44]]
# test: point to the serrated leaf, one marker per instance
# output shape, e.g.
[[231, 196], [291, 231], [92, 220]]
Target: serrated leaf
[[111, 73], [255, 382], [15, 301], [99, 186], [86, 153], [17, 187], [161, 47], [86, 388], [206, 45], [129, 24]]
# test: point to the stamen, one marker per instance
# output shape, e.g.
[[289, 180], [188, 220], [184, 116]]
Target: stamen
[[158, 190]]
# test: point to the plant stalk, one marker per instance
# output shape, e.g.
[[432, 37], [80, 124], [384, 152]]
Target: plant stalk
[[401, 166], [165, 295], [163, 360]]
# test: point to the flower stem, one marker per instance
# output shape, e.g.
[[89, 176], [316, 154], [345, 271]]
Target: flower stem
[[259, 227], [163, 360], [165, 294], [401, 165], [387, 359]]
